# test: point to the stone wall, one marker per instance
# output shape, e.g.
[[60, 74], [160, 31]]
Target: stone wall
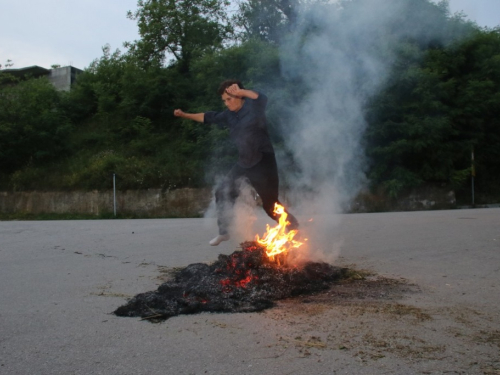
[[193, 202], [146, 203], [419, 199]]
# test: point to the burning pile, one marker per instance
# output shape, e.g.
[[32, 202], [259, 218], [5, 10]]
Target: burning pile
[[245, 281], [278, 240], [248, 280]]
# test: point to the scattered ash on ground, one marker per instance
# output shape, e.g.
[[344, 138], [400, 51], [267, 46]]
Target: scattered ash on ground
[[360, 286], [245, 281]]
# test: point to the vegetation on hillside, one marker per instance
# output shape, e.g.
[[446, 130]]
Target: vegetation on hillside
[[440, 101]]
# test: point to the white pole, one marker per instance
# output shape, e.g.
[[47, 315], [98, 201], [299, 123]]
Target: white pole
[[114, 194], [473, 173]]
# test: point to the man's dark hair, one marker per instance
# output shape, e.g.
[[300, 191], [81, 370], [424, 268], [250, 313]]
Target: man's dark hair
[[228, 82]]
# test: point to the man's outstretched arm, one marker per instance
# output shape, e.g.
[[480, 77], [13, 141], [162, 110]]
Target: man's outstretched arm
[[199, 117]]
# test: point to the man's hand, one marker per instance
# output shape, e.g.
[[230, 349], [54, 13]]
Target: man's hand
[[179, 113], [234, 90], [199, 117]]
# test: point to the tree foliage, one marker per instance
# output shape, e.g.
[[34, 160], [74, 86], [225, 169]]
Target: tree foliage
[[267, 20], [32, 126], [182, 29], [439, 102]]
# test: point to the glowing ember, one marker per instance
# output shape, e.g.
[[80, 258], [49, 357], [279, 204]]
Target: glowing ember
[[279, 240]]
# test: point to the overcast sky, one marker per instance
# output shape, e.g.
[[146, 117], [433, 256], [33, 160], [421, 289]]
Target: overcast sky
[[73, 32]]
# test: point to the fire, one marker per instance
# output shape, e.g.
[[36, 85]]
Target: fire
[[278, 240]]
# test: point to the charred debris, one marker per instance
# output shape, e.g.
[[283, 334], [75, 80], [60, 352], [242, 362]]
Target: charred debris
[[245, 281]]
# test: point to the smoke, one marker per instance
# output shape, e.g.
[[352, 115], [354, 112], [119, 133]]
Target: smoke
[[339, 56], [244, 213], [243, 227], [336, 57]]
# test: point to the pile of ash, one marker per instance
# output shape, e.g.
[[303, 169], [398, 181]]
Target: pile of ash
[[245, 281]]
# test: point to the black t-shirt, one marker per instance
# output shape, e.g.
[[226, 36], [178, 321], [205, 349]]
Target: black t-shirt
[[247, 129]]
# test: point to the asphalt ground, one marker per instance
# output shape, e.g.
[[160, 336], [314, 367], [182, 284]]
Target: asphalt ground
[[61, 280]]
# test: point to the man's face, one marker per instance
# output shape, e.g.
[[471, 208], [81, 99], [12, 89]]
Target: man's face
[[233, 103]]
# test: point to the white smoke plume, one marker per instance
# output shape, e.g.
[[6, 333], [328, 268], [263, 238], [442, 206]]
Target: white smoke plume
[[244, 213], [342, 57], [340, 54]]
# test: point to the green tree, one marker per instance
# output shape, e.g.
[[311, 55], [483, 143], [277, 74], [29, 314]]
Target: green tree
[[475, 105], [179, 29], [267, 20], [33, 129], [439, 103]]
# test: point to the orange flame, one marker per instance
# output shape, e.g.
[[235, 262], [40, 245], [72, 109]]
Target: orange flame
[[277, 240]]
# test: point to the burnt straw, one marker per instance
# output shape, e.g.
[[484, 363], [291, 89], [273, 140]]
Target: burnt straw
[[245, 281]]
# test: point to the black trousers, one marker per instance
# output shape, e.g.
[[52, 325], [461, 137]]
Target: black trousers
[[264, 179]]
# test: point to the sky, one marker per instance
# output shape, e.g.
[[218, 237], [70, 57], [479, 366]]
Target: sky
[[64, 32], [73, 32]]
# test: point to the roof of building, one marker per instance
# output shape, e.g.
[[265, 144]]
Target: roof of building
[[35, 71]]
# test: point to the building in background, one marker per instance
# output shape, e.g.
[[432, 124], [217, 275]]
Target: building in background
[[62, 78]]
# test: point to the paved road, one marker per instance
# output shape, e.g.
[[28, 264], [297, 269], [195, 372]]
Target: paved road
[[60, 280]]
